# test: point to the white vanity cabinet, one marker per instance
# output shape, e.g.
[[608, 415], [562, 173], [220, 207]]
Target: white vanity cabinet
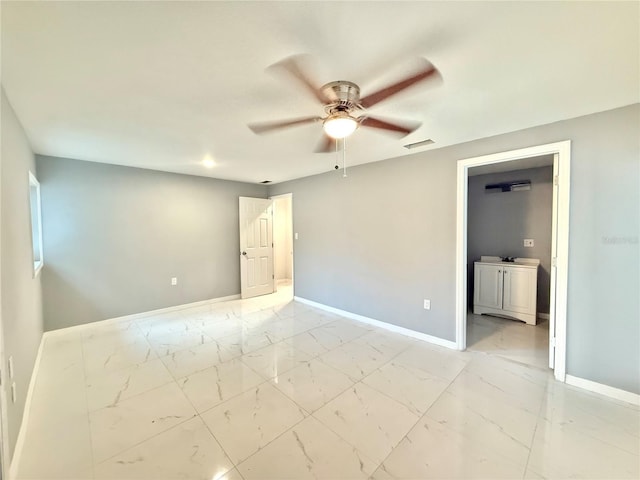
[[506, 288]]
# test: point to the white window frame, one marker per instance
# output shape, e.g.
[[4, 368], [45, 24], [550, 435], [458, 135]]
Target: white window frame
[[36, 238]]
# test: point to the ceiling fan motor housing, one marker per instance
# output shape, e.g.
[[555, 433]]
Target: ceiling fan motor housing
[[344, 96]]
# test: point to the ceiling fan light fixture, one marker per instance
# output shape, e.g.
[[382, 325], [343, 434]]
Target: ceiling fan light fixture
[[340, 125]]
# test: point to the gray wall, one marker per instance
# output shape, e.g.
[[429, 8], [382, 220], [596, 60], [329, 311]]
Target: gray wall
[[21, 293], [498, 222], [114, 236], [381, 240]]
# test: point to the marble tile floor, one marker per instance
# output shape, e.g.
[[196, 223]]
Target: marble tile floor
[[511, 339], [270, 388]]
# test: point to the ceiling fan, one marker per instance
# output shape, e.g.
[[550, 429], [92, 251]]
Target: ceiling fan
[[343, 104]]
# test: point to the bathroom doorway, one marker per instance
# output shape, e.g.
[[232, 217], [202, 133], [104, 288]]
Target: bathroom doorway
[[509, 216], [558, 261]]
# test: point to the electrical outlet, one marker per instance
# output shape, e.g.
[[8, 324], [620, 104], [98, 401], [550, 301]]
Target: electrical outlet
[[11, 367], [174, 280], [528, 242], [427, 304]]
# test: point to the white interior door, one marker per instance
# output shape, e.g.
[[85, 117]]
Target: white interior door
[[256, 247], [554, 270]]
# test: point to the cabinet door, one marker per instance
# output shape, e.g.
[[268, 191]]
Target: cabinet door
[[487, 290], [520, 290]]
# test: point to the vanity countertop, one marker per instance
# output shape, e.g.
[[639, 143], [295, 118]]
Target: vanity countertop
[[518, 261]]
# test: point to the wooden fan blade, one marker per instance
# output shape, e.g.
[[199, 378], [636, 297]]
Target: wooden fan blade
[[405, 129], [427, 71], [266, 127], [326, 145], [294, 66]]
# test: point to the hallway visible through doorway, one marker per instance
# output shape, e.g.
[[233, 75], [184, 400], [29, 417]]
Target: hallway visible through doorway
[[283, 240]]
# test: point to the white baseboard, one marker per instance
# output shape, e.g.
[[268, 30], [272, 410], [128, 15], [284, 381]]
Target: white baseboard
[[543, 316], [17, 452], [136, 316], [602, 389], [377, 323]]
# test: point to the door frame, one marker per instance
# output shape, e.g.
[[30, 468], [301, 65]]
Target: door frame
[[560, 240], [5, 453], [275, 197], [4, 434]]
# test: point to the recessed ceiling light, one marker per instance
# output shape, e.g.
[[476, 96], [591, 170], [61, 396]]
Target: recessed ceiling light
[[421, 143], [208, 162]]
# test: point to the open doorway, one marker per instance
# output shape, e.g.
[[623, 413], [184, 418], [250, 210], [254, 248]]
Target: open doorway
[[509, 216], [283, 243], [558, 269]]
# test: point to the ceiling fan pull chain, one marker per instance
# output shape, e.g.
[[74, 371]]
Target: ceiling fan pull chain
[[344, 161]]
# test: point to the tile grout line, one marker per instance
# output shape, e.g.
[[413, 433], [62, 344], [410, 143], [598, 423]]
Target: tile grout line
[[535, 430], [420, 417], [86, 401], [152, 436], [147, 391], [82, 345], [145, 440], [268, 443], [371, 373], [199, 414], [312, 413], [267, 381], [309, 413]]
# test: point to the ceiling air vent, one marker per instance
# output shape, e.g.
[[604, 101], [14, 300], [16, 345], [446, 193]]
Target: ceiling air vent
[[421, 143]]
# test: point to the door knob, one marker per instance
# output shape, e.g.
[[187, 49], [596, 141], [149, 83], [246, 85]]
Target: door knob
[[244, 253]]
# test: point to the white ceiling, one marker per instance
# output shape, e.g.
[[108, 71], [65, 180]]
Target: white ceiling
[[161, 85]]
